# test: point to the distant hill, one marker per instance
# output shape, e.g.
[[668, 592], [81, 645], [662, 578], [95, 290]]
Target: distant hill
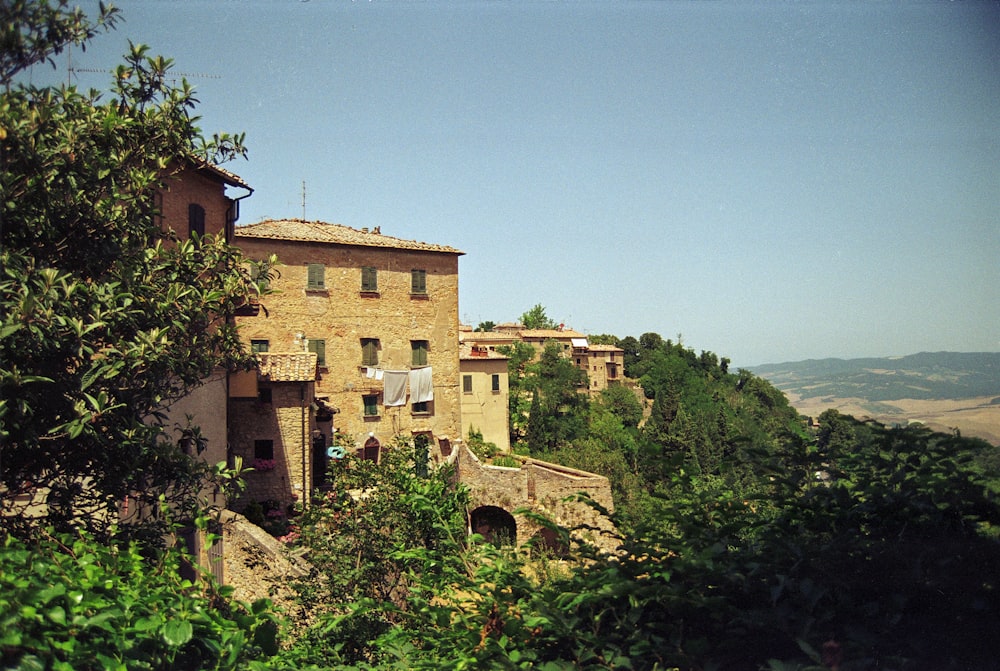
[[924, 376], [944, 390]]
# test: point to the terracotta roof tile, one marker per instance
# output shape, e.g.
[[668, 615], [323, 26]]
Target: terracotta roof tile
[[593, 347], [551, 333], [287, 366], [319, 231], [465, 352], [485, 336]]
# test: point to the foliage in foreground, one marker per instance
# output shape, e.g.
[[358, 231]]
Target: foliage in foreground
[[105, 318], [880, 554], [72, 603]]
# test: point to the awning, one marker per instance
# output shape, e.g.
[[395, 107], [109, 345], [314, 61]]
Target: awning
[[579, 342]]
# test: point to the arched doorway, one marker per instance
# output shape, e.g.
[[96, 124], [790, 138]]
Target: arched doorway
[[370, 451], [494, 524]]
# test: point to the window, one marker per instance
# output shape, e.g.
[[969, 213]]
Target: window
[[315, 276], [369, 351], [419, 352], [258, 346], [196, 220], [418, 281], [319, 347], [422, 408], [467, 384], [263, 449], [495, 382], [369, 279], [371, 405]]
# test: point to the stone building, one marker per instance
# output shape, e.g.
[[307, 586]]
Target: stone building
[[381, 315], [603, 364], [485, 395], [273, 427], [500, 494]]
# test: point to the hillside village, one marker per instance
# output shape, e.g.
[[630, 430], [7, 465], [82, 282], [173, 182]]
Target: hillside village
[[359, 345]]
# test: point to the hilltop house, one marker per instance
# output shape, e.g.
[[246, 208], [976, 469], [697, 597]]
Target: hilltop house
[[380, 314], [603, 364], [485, 394]]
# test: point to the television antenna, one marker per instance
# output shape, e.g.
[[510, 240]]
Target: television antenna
[[171, 76]]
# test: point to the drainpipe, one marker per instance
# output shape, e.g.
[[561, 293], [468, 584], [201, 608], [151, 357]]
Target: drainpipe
[[302, 404], [234, 214]]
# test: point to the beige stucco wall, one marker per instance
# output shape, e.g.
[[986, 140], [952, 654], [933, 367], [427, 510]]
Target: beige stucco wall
[[342, 315], [482, 408], [207, 407]]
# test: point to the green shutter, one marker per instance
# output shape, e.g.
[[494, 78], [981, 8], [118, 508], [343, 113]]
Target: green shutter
[[467, 384], [418, 281], [369, 279], [369, 352], [419, 348], [319, 347], [371, 405], [315, 279]]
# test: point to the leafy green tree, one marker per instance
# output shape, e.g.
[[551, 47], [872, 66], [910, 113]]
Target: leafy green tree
[[558, 412], [631, 356], [106, 318], [486, 326], [519, 356], [363, 538], [621, 401], [535, 318]]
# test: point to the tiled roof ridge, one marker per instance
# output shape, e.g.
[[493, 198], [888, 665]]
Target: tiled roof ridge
[[287, 366], [322, 231]]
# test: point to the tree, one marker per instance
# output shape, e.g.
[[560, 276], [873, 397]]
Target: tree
[[486, 326], [622, 402], [106, 318], [558, 410], [519, 355], [535, 318]]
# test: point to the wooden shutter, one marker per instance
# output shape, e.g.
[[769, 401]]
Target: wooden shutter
[[315, 278]]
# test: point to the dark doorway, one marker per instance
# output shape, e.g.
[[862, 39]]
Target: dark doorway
[[319, 460], [494, 524]]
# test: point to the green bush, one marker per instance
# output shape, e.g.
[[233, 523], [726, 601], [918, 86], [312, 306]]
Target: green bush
[[69, 602]]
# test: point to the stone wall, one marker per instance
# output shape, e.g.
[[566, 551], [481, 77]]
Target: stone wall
[[342, 315], [482, 408], [256, 564], [194, 187], [281, 421], [540, 487]]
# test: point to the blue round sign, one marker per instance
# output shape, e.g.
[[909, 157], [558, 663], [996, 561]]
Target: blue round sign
[[336, 452]]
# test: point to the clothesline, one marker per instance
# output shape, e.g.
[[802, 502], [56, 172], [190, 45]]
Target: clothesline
[[394, 384]]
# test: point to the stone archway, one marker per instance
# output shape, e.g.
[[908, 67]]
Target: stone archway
[[494, 524]]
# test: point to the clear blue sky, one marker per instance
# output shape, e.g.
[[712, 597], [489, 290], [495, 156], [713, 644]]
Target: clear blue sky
[[773, 181]]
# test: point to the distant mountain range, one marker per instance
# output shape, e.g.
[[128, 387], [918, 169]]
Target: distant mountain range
[[924, 376]]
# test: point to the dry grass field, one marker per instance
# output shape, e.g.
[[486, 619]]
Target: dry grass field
[[978, 417]]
